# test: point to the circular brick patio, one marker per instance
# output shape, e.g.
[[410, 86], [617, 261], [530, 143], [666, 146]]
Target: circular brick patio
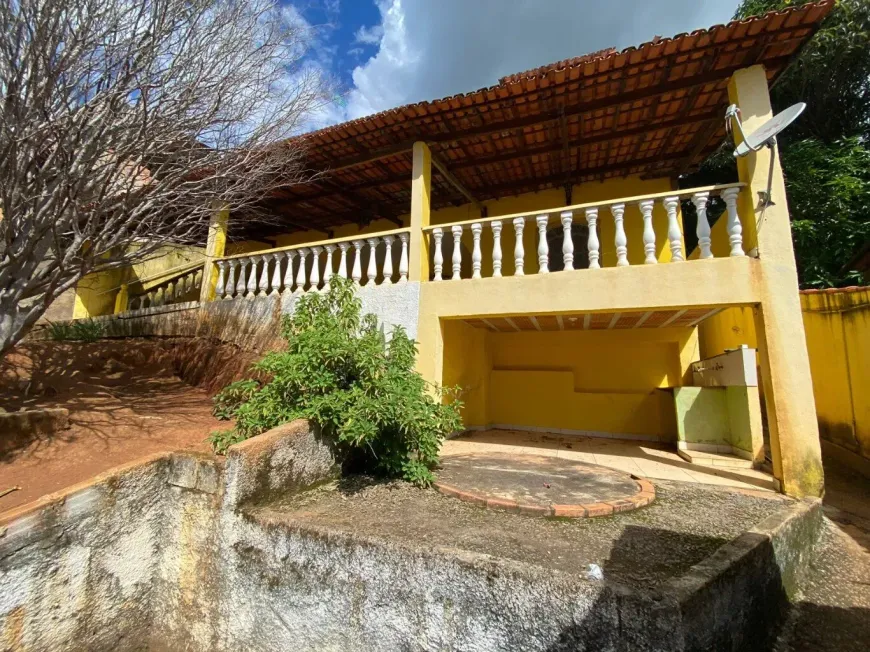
[[541, 486]]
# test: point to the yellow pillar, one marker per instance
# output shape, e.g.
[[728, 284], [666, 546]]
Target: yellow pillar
[[121, 299], [785, 366], [421, 190], [214, 248]]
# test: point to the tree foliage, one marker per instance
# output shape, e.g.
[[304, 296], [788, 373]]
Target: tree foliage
[[824, 154], [340, 372]]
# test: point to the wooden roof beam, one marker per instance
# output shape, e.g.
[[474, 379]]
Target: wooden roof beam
[[456, 183]]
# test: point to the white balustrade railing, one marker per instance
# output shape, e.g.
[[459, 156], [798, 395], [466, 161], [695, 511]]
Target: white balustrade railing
[[641, 208], [184, 287], [367, 259]]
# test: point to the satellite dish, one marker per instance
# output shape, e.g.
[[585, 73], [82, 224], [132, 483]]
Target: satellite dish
[[765, 135]]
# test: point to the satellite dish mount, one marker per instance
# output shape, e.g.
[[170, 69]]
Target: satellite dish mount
[[765, 135]]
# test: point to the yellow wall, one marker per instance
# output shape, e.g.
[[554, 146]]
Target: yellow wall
[[837, 324], [600, 381], [95, 293]]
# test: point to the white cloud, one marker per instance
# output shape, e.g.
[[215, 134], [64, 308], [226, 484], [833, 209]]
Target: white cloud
[[434, 48], [369, 35]]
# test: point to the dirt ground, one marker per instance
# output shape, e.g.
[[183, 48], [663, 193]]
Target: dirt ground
[[123, 405]]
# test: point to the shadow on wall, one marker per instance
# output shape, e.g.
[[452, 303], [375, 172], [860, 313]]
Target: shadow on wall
[[744, 611]]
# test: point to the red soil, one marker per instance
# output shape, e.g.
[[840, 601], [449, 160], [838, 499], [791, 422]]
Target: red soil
[[124, 401]]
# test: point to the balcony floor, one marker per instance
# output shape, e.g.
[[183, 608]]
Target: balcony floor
[[645, 459]]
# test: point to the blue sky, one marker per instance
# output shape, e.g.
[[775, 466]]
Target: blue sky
[[385, 53]]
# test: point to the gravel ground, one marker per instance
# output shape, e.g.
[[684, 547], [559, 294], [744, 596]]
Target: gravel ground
[[686, 523]]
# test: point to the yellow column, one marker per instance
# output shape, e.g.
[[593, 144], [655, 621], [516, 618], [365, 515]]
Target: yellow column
[[785, 366], [214, 248], [421, 190], [121, 299]]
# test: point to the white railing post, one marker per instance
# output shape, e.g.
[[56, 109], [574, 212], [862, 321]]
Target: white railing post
[[699, 199], [372, 269], [388, 258], [275, 283], [170, 291], [476, 256], [457, 252], [221, 283], [567, 218], [342, 261], [356, 273], [315, 267], [403, 258], [231, 280], [251, 289], [519, 251], [241, 284], [592, 244], [649, 234], [300, 274], [438, 255], [675, 237], [496, 249], [621, 242], [263, 285], [327, 270], [735, 229], [543, 247], [288, 273]]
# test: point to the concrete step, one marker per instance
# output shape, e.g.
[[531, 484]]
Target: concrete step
[[722, 460]]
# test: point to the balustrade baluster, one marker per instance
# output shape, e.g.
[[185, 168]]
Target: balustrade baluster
[[221, 282], [476, 256], [388, 258], [315, 268], [288, 273], [342, 262], [496, 249], [592, 243], [438, 256], [301, 273], [621, 242], [457, 252], [372, 268], [675, 237], [543, 245], [275, 283], [403, 258], [699, 199], [356, 274], [519, 251], [263, 284], [170, 291], [649, 234], [327, 270], [251, 290], [567, 218], [242, 283], [735, 229], [231, 280]]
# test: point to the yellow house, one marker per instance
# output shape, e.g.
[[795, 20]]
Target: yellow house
[[530, 236]]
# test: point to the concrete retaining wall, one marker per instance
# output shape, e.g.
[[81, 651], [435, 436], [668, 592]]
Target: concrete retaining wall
[[173, 553]]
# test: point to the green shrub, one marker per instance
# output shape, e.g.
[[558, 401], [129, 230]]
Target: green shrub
[[339, 372], [83, 330], [228, 400]]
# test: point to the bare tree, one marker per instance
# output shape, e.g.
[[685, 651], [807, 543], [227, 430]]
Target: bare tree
[[124, 122]]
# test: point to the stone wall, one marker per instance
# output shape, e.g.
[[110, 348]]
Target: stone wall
[[176, 553]]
